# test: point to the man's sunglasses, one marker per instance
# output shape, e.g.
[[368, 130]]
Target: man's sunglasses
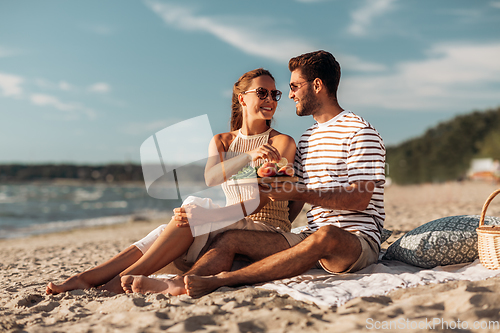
[[263, 92]]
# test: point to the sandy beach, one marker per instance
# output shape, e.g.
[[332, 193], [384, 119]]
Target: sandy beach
[[28, 264]]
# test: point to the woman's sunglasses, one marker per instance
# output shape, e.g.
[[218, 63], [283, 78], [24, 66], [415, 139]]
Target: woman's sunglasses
[[263, 92]]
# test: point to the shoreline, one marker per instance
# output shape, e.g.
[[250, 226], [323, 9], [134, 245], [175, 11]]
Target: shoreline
[[56, 227]]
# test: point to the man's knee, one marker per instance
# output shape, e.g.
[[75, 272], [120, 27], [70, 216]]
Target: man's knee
[[329, 238]]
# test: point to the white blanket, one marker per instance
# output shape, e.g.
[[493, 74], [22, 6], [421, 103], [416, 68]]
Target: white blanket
[[378, 279]]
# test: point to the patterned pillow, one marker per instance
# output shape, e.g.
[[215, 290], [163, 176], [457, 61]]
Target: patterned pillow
[[446, 241], [384, 235]]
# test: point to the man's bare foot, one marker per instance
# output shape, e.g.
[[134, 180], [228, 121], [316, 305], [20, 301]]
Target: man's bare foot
[[197, 286], [74, 282], [143, 284]]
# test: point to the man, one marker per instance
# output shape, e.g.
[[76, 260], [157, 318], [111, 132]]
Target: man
[[340, 161]]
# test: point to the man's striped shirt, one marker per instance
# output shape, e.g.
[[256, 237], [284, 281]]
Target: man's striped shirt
[[344, 150]]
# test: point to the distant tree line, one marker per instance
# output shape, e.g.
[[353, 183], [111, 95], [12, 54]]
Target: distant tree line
[[445, 151], [102, 173]]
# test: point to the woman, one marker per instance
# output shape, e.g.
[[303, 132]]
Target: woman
[[251, 141]]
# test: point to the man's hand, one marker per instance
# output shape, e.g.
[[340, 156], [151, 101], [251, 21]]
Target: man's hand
[[282, 191]]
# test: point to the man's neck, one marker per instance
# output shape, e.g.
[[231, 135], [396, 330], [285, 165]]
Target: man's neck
[[327, 112]]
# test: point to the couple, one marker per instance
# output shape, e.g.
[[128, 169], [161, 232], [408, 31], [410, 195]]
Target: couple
[[340, 163]]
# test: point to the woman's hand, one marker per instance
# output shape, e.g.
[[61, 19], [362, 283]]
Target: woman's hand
[[266, 151], [198, 215], [181, 217]]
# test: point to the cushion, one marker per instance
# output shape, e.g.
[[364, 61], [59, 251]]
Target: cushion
[[446, 241], [384, 235]]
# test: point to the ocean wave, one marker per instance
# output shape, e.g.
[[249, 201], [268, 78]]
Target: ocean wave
[[101, 205], [83, 195], [5, 198]]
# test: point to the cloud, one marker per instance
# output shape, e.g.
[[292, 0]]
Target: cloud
[[48, 100], [355, 63], [495, 4], [100, 87], [362, 17], [10, 85], [63, 85], [453, 77], [5, 52], [242, 34]]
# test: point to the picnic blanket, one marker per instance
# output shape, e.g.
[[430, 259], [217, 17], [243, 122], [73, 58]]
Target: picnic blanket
[[325, 289]]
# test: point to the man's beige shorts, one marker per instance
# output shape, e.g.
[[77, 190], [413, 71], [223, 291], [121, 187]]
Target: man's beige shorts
[[369, 250]]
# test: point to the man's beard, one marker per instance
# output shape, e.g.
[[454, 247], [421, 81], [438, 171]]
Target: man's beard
[[309, 104]]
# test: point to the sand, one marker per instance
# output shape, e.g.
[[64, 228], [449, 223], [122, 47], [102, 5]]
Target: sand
[[26, 265]]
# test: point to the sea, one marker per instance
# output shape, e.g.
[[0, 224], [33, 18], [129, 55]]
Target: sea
[[36, 208]]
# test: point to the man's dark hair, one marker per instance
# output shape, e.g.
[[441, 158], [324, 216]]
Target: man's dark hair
[[318, 64]]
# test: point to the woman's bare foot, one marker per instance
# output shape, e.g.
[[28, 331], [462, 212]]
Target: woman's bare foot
[[74, 282], [114, 285], [143, 284], [197, 286]]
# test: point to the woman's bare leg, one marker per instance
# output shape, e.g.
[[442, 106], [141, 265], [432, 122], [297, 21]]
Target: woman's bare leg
[[171, 244], [100, 274]]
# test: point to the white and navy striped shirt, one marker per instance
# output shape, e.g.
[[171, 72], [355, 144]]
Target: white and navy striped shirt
[[344, 150]]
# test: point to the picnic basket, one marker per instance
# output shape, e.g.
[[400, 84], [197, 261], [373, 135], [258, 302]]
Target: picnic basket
[[488, 239]]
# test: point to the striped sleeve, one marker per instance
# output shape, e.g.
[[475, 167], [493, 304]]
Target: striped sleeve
[[366, 157]]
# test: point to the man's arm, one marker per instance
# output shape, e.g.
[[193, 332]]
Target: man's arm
[[356, 196]]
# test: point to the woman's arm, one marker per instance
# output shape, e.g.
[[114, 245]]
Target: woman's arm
[[285, 146], [195, 215], [218, 169]]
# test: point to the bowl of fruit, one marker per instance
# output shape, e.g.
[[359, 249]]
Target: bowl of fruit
[[267, 172]]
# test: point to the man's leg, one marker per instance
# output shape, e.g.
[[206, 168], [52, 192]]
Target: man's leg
[[254, 244], [336, 248]]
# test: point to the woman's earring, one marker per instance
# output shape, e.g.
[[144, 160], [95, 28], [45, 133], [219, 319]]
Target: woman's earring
[[240, 99]]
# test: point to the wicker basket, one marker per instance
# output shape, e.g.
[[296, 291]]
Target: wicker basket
[[488, 239]]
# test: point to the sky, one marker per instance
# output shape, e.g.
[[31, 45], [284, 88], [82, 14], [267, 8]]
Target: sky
[[88, 82]]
